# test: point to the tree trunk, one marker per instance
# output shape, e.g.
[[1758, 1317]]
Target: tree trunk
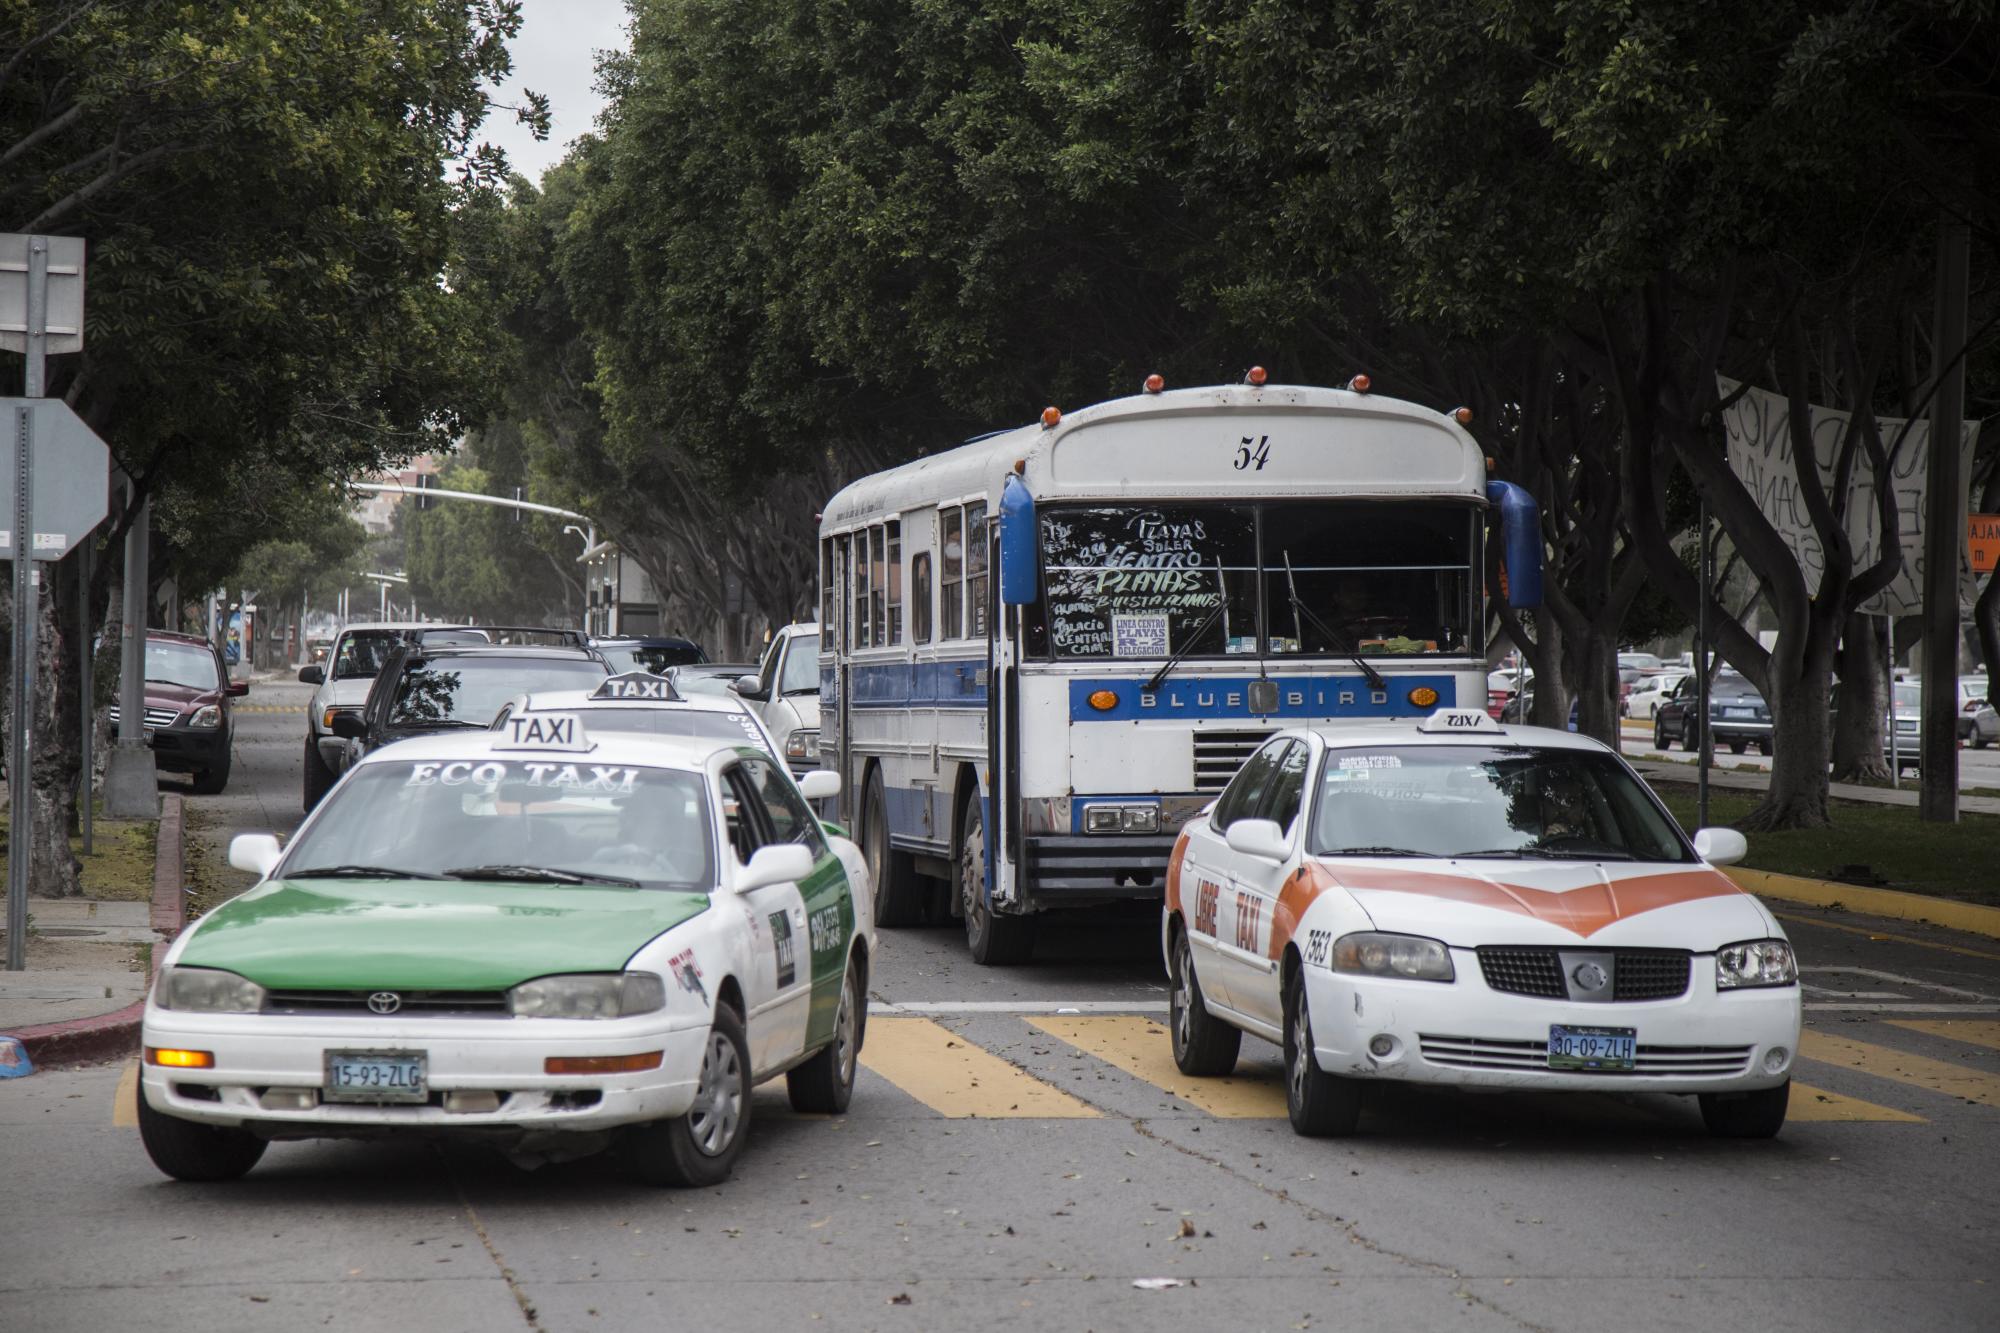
[[49, 789], [1864, 699], [1797, 797], [1591, 660]]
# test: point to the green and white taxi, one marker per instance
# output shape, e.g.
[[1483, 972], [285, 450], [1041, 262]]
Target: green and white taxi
[[537, 935]]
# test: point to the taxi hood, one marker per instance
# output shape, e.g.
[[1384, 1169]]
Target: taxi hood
[[1474, 902], [321, 934]]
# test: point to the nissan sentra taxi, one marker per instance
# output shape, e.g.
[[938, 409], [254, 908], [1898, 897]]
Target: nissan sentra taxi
[[537, 935], [1447, 901]]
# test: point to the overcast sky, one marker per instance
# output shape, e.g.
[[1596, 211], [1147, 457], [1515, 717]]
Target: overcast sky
[[555, 54]]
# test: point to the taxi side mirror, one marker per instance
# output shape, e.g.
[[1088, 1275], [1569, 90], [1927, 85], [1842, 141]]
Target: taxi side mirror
[[778, 863], [1261, 838], [1720, 846], [748, 687], [349, 726], [313, 674], [255, 852], [819, 784]]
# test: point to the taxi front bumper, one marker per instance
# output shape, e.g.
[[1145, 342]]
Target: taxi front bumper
[[256, 1056], [1465, 1034]]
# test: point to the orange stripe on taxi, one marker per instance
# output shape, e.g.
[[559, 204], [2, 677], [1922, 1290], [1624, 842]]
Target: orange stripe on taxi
[[1582, 911], [1302, 886]]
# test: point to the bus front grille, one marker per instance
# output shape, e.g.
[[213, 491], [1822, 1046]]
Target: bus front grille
[[1218, 754]]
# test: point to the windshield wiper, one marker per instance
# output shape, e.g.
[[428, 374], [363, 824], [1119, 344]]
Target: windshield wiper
[[1531, 850], [540, 875], [1373, 851], [360, 872], [1187, 646], [1341, 643]]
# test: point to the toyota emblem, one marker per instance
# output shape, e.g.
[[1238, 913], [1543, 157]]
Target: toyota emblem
[[385, 1002], [1589, 976]]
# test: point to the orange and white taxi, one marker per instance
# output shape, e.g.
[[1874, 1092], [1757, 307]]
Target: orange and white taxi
[[1449, 901]]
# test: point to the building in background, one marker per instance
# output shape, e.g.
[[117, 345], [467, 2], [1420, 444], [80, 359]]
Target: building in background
[[377, 512], [618, 596]]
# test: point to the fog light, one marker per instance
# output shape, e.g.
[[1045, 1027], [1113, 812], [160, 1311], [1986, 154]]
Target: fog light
[[601, 1064], [1381, 1044], [472, 1103], [289, 1099], [1775, 1058], [173, 1059]]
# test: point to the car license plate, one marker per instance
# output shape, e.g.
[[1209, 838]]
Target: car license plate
[[1736, 712], [1592, 1048], [376, 1076]]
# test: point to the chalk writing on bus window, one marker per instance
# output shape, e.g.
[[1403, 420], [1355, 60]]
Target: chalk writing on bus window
[[1134, 581], [1139, 636]]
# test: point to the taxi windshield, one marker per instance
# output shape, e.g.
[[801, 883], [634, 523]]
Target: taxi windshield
[[597, 822], [472, 687], [1481, 801]]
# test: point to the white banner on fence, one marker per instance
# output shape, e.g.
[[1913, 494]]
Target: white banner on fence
[[1760, 453]]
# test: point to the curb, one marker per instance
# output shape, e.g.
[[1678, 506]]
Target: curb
[[1895, 904], [87, 1040]]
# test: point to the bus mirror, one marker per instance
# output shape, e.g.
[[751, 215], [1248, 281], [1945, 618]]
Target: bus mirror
[[1017, 544], [1520, 543]]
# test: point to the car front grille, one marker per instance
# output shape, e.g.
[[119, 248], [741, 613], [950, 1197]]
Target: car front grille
[[410, 1003], [1218, 754], [155, 717], [1459, 1052], [1636, 974]]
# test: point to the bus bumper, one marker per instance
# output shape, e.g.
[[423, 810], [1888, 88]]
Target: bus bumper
[[1066, 870]]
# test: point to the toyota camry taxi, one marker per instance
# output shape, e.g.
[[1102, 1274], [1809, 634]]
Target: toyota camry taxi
[[537, 935], [648, 705], [1447, 901]]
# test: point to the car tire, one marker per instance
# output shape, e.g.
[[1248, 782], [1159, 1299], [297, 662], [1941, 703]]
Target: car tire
[[1321, 1105], [202, 1154], [211, 781], [1204, 1045], [994, 940], [899, 895], [1746, 1115], [1980, 740], [1689, 742], [1738, 747], [824, 1084], [1661, 741], [319, 779], [1764, 748], [698, 1147]]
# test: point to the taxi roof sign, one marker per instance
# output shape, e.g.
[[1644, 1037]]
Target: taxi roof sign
[[1459, 720], [560, 732], [636, 685]]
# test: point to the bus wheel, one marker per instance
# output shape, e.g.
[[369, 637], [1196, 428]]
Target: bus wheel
[[995, 941], [899, 897]]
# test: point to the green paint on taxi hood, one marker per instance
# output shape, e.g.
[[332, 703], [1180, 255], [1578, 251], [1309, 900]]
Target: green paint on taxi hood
[[322, 934]]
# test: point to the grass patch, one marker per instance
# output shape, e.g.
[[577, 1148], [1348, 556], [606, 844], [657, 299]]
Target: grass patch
[[120, 865], [1874, 845]]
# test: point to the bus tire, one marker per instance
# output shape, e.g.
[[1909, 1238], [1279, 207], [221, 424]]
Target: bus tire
[[994, 940], [899, 895]]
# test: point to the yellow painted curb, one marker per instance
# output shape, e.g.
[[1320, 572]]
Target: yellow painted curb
[[1894, 903]]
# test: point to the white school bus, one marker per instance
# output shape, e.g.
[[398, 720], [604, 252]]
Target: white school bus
[[1044, 650]]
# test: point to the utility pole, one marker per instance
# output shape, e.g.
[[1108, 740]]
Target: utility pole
[[1944, 535], [27, 609]]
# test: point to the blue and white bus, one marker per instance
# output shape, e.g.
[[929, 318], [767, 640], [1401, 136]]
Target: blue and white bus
[[1045, 650]]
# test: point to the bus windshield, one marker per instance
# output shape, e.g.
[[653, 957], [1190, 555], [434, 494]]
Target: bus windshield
[[1212, 580]]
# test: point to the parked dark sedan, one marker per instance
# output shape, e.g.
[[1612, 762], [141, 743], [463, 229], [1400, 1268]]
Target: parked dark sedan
[[188, 721], [1738, 717]]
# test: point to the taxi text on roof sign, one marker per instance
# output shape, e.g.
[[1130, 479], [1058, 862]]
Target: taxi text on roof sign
[[635, 685], [545, 731], [1459, 719]]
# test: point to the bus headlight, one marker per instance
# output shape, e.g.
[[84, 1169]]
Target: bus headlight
[[1108, 817]]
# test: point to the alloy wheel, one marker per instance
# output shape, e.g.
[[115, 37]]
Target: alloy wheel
[[718, 1098]]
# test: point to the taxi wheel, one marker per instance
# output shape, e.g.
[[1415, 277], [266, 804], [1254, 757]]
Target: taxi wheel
[[1204, 1045], [699, 1147], [995, 940], [824, 1084], [189, 1151], [1746, 1115], [1321, 1105], [319, 778], [899, 897]]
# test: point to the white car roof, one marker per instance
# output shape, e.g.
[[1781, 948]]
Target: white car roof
[[690, 753], [568, 701], [1359, 733]]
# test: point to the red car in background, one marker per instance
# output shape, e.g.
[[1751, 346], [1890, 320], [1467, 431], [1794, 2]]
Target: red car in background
[[188, 720]]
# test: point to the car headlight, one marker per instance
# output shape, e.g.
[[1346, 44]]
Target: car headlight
[[1755, 963], [589, 995], [207, 990], [1378, 954], [803, 745], [209, 715]]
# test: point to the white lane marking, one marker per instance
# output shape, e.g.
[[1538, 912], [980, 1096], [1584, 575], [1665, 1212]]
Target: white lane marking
[[932, 1008], [1896, 978]]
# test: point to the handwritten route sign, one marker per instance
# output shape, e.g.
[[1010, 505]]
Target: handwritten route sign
[[1982, 542]]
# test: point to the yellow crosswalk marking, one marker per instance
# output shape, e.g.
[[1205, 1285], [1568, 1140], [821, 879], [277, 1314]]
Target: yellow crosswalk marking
[[1916, 1070], [1140, 1047], [125, 1101], [1978, 1031], [1810, 1103], [953, 1077]]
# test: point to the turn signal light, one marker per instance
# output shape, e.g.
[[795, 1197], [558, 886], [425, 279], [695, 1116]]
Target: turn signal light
[[1359, 384], [1423, 696], [602, 1064], [169, 1058], [1256, 376], [1050, 416], [1463, 416], [1104, 700], [1155, 383]]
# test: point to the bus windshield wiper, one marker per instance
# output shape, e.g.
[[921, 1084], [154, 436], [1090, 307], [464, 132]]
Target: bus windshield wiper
[[1187, 646], [359, 872], [540, 875], [1341, 643]]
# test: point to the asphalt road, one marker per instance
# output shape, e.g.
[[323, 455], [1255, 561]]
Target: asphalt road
[[1019, 1153]]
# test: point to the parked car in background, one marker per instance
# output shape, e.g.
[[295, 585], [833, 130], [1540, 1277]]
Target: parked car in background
[[1738, 717], [188, 722], [1978, 721], [1640, 661], [785, 693], [655, 653], [1649, 693], [709, 677], [1902, 737]]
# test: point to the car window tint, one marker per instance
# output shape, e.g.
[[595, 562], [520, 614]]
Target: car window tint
[[801, 673], [192, 665], [786, 811], [1247, 789], [741, 813], [1281, 806]]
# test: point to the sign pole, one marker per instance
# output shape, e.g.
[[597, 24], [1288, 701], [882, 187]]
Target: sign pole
[[20, 780], [1704, 563], [84, 665]]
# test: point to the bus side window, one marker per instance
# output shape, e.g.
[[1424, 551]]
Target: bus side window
[[920, 597], [878, 589], [975, 570], [826, 575], [836, 595], [954, 576], [895, 530], [860, 615]]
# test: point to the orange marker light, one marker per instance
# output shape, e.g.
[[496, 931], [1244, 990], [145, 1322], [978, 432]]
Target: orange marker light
[[1050, 416], [1463, 416], [1155, 383], [1020, 467], [1104, 700], [602, 1064], [1359, 384], [1257, 376], [168, 1058], [1423, 696]]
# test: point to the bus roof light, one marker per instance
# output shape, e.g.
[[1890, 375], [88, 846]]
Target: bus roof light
[[1050, 416], [1463, 416], [1359, 384], [1256, 376], [1155, 382]]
